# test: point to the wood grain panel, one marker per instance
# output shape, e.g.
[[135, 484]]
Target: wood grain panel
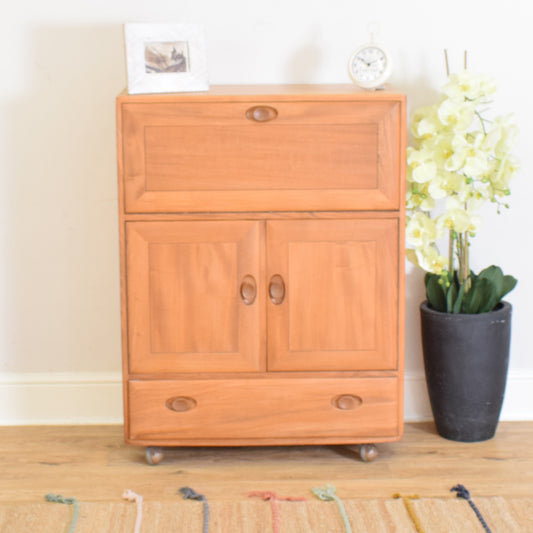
[[341, 308], [261, 157], [192, 288], [265, 409], [185, 311], [314, 155]]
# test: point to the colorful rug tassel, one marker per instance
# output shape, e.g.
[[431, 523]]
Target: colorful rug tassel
[[190, 494], [462, 492], [407, 501], [327, 493], [57, 498], [138, 499], [272, 497]]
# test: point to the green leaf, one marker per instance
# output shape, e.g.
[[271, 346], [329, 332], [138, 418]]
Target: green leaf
[[459, 301], [451, 296], [509, 283], [502, 286], [490, 271], [495, 275], [435, 292], [492, 298], [477, 298], [486, 290]]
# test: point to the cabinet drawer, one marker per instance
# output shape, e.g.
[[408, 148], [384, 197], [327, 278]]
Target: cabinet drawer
[[265, 410], [215, 156]]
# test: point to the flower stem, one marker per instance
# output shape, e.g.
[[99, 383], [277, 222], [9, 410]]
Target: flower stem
[[466, 265], [463, 257], [451, 242], [460, 257], [481, 119]]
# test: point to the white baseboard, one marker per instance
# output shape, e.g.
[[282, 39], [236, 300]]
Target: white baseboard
[[61, 398], [96, 398]]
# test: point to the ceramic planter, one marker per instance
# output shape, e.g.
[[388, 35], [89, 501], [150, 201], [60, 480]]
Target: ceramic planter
[[466, 358]]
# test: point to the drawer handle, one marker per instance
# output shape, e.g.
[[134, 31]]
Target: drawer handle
[[248, 290], [346, 402], [261, 113], [180, 404], [276, 289]]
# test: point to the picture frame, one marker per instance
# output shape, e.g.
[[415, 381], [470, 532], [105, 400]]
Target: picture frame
[[165, 58]]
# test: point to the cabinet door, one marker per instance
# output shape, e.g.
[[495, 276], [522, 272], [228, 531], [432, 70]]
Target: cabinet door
[[333, 289], [195, 294], [302, 155]]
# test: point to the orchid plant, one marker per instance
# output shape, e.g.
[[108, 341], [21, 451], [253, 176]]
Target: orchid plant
[[460, 161]]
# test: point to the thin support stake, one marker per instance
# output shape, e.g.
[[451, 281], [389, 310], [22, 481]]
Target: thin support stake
[[446, 62]]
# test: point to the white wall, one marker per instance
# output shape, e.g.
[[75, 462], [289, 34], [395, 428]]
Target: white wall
[[63, 65]]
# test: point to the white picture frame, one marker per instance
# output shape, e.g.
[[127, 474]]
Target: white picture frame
[[166, 58]]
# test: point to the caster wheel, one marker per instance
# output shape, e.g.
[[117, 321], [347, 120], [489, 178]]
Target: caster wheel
[[154, 455], [368, 452]]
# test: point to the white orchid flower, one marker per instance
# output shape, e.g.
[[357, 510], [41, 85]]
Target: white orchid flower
[[459, 162], [428, 258], [470, 86], [456, 114], [423, 167], [421, 230]]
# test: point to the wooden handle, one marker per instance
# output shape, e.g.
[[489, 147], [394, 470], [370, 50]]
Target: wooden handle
[[346, 402], [248, 290], [180, 404], [261, 113], [276, 289]]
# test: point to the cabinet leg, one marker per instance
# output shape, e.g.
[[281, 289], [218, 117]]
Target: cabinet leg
[[154, 455], [368, 452]]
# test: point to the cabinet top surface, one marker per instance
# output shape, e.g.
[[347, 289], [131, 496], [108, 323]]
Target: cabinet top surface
[[279, 92]]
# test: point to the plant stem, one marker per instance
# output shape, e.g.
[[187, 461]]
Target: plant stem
[[451, 240], [482, 121], [459, 251], [463, 256], [466, 266]]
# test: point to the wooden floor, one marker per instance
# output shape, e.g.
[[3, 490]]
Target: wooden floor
[[92, 463]]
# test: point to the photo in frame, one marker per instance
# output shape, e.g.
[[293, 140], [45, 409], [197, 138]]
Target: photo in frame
[[166, 58]]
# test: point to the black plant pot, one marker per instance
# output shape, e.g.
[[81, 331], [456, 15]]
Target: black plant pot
[[466, 358]]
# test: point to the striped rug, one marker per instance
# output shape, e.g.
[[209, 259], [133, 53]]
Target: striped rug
[[255, 515]]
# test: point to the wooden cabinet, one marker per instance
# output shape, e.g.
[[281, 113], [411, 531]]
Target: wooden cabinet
[[262, 271]]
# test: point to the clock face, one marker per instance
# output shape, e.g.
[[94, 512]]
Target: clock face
[[369, 66]]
